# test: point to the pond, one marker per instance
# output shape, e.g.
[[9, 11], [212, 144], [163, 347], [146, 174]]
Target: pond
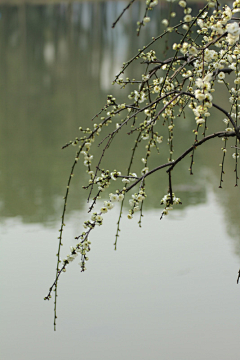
[[169, 291]]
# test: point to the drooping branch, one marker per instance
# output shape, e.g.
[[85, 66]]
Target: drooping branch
[[237, 133], [188, 80], [119, 17], [172, 164]]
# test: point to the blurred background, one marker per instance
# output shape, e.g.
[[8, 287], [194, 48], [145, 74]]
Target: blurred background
[[57, 63]]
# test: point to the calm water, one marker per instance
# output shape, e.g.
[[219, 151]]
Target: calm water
[[160, 296]]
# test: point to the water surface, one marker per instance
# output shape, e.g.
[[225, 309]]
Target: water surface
[[169, 291]]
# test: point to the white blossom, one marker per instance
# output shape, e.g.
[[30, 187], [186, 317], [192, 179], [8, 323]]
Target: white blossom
[[146, 19], [235, 155], [200, 121], [200, 23], [99, 218], [113, 197], [199, 95], [231, 39], [165, 22], [218, 28], [144, 170], [187, 18], [109, 205], [221, 75], [182, 3], [233, 29], [120, 197], [226, 121]]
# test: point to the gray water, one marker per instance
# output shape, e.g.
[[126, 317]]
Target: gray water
[[169, 291]]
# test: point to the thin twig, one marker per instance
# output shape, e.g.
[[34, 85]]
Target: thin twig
[[119, 17]]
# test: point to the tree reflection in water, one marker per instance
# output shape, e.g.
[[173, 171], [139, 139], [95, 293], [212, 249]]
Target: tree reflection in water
[[55, 72]]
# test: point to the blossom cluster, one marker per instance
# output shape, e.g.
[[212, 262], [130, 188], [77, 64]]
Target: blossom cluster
[[169, 200], [83, 247], [135, 202]]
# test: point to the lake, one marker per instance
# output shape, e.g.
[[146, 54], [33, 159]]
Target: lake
[[169, 292]]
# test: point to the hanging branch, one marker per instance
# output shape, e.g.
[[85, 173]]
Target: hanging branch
[[203, 55], [125, 9]]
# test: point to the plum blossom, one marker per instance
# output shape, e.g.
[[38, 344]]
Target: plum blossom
[[233, 29]]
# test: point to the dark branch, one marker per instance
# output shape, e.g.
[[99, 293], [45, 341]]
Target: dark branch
[[119, 17]]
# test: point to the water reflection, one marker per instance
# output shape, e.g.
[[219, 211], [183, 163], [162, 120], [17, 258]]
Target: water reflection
[[56, 66], [160, 293]]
